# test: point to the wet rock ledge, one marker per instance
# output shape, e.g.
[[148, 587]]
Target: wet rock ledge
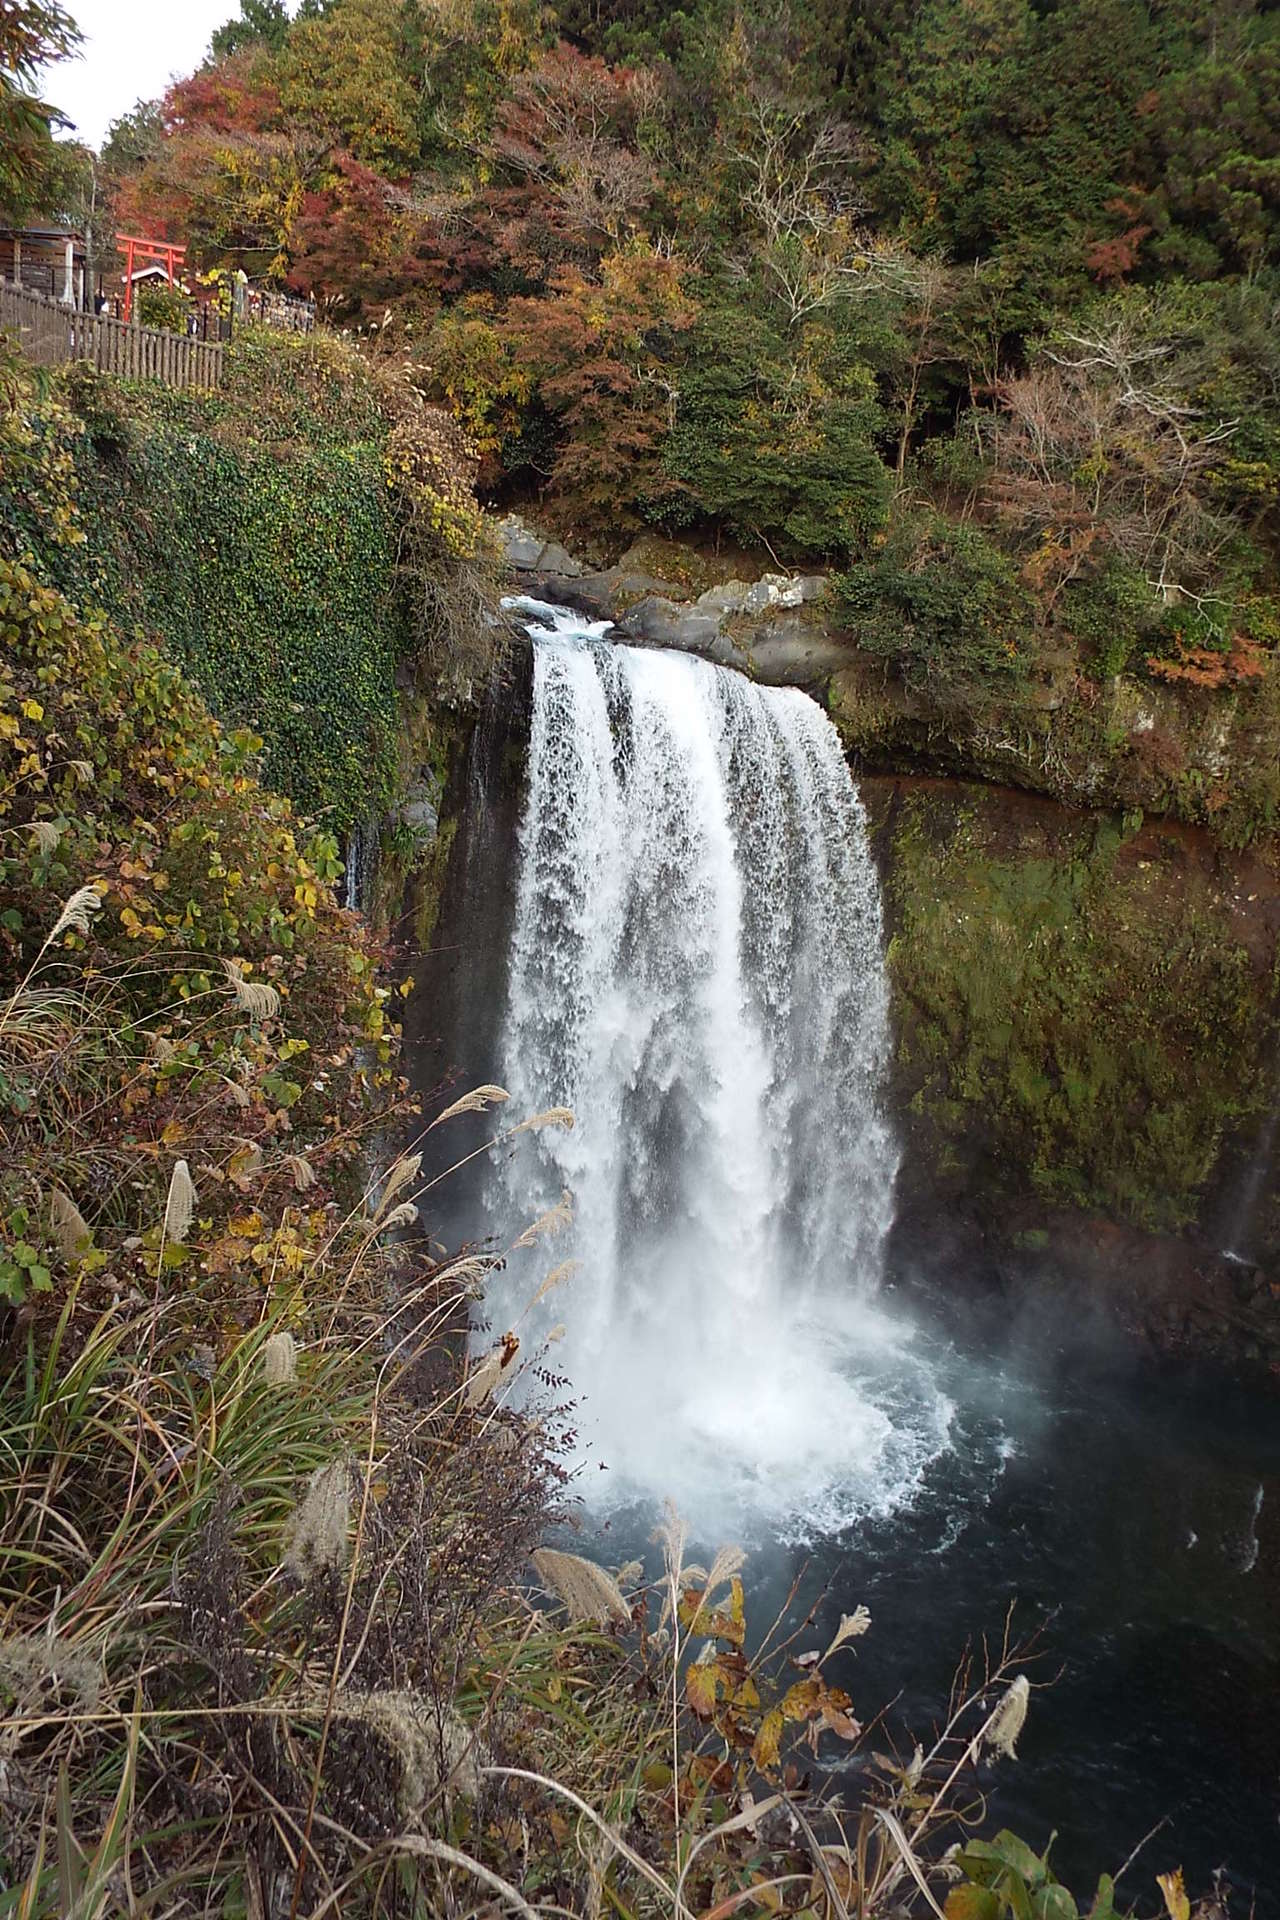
[[772, 627]]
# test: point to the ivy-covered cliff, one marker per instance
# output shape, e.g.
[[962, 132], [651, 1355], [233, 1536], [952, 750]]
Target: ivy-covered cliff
[[303, 542]]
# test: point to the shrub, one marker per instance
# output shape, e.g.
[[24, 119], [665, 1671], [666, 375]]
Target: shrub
[[164, 307], [943, 602], [778, 457], [1111, 612], [274, 583]]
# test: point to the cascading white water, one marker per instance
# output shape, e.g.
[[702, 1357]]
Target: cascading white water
[[696, 970], [360, 860]]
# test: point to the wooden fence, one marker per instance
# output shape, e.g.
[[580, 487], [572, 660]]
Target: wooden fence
[[51, 334]]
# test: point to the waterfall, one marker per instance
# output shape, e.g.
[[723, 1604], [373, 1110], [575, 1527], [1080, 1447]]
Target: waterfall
[[696, 971], [360, 860]]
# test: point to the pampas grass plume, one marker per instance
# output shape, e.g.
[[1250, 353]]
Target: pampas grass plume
[[1007, 1721], [405, 1215], [28, 1661], [280, 1359], [77, 913], [318, 1531], [671, 1534], [400, 1173], [180, 1207], [728, 1562], [556, 1277], [46, 834], [253, 997], [476, 1101], [588, 1592], [433, 1750], [470, 1274], [551, 1117], [483, 1379], [852, 1626], [547, 1223], [304, 1174], [70, 1228]]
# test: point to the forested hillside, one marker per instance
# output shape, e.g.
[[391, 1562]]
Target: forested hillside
[[976, 302]]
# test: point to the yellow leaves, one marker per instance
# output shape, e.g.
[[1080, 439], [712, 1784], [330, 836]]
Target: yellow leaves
[[767, 1746], [1176, 1903], [31, 710], [701, 1683], [245, 1226], [972, 1903], [799, 1701], [306, 896], [135, 926], [244, 1161]]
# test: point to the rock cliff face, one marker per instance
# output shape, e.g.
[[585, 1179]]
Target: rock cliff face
[[1207, 757], [1083, 1084], [1085, 1000]]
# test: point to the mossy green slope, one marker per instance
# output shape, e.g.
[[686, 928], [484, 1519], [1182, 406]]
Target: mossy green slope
[[1081, 1005]]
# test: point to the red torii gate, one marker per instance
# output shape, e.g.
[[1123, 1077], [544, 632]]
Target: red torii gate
[[159, 253]]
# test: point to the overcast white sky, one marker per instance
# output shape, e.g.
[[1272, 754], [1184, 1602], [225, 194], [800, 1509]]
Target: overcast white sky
[[132, 49]]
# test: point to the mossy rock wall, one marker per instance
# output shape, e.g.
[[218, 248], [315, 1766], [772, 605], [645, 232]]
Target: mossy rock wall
[[1085, 1007], [1209, 757]]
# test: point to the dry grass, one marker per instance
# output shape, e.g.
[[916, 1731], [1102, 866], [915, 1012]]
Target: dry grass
[[268, 1635]]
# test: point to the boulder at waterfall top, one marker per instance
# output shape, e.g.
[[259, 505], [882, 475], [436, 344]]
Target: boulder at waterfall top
[[772, 628]]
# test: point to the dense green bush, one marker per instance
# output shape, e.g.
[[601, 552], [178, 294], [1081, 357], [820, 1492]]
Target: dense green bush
[[273, 581], [790, 462], [941, 601], [1112, 613], [162, 307]]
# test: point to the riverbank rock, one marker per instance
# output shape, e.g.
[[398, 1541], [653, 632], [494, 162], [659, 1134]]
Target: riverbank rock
[[772, 628]]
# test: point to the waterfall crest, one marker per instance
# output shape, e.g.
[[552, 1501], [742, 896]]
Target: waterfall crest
[[696, 970]]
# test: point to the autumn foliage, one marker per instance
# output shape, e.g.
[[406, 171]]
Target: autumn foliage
[[782, 275]]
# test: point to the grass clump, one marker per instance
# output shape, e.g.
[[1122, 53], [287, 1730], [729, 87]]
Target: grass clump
[[266, 1638]]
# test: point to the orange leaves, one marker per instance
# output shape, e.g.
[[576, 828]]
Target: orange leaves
[[722, 1623], [1207, 667], [972, 1903], [833, 1710], [721, 1687], [814, 1703], [723, 1679]]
